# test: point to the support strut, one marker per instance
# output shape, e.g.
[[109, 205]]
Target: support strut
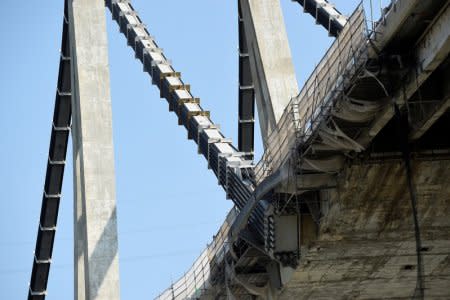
[[246, 95]]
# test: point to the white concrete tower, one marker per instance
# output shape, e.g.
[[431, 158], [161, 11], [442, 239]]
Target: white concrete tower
[[96, 246]]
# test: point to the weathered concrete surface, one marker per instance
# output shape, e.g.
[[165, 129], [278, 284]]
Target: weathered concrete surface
[[366, 247], [270, 60], [96, 248]]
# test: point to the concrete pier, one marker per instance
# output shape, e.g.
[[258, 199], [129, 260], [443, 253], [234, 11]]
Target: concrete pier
[[96, 246]]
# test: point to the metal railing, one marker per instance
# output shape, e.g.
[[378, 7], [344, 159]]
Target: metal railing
[[376, 11], [305, 111], [198, 279]]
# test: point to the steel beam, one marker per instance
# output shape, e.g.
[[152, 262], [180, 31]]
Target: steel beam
[[95, 223], [325, 14], [54, 175], [437, 112], [246, 125]]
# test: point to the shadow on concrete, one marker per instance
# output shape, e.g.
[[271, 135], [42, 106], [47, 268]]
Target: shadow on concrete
[[101, 259]]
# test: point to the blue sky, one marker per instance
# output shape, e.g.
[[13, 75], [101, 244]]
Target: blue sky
[[169, 204]]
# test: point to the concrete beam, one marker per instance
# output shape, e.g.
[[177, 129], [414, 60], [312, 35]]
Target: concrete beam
[[433, 113], [430, 51], [438, 111], [434, 45], [96, 247], [308, 182], [270, 60], [392, 22]]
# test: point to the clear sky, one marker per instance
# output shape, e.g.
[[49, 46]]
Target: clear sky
[[169, 204]]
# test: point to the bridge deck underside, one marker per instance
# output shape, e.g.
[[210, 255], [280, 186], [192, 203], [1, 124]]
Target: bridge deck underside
[[366, 246]]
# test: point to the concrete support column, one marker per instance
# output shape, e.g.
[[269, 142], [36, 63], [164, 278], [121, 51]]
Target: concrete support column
[[270, 60], [96, 247]]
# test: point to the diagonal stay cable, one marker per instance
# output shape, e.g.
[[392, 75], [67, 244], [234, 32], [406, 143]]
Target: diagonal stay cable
[[233, 170]]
